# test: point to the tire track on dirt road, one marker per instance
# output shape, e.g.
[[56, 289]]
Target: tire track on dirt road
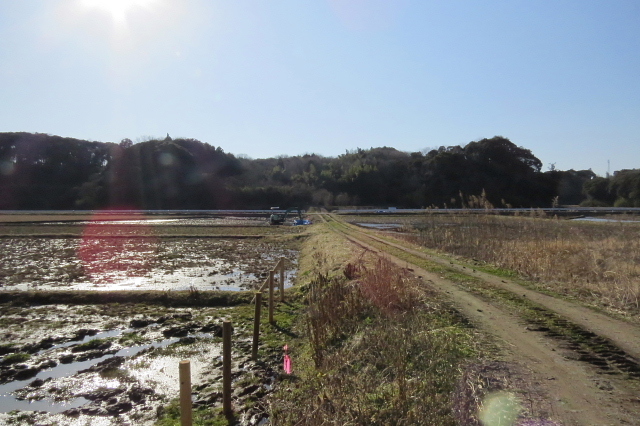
[[575, 389]]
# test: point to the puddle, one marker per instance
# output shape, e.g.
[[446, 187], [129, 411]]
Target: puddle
[[382, 226], [140, 382], [8, 402], [210, 221], [125, 222], [603, 219], [99, 335], [148, 264], [161, 372]]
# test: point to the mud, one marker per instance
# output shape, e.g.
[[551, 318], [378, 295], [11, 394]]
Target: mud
[[117, 363], [96, 263], [120, 365]]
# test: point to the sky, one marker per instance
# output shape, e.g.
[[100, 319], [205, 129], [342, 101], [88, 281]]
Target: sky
[[288, 77]]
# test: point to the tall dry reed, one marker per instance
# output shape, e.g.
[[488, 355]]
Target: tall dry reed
[[595, 261]]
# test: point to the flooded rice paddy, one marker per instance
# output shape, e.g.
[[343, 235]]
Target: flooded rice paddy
[[111, 363], [122, 368], [98, 263]]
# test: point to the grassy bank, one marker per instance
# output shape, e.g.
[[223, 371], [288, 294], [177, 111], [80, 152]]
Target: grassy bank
[[375, 347]]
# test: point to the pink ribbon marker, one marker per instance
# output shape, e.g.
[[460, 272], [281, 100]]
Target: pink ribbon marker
[[287, 360]]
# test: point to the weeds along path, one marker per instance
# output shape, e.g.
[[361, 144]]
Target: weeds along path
[[588, 380], [621, 334]]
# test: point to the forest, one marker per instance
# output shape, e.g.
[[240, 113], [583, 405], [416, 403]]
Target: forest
[[40, 171]]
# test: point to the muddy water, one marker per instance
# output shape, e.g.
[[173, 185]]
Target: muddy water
[[605, 219], [96, 263], [212, 221], [9, 401], [86, 391], [70, 386], [382, 226]]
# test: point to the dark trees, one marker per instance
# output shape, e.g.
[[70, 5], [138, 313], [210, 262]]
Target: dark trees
[[508, 175], [620, 190], [40, 171], [170, 174]]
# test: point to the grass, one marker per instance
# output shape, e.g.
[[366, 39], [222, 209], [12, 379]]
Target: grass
[[132, 339], [376, 347], [151, 297], [15, 358], [7, 348], [596, 262], [93, 344], [170, 416]]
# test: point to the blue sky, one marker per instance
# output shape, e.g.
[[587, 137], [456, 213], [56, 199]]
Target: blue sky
[[267, 78]]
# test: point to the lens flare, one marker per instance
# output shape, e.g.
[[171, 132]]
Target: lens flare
[[500, 409], [118, 9], [116, 247]]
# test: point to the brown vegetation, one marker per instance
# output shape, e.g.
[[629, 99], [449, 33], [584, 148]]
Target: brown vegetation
[[592, 261], [381, 351]]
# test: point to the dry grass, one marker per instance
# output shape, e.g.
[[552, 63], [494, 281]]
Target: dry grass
[[323, 253], [380, 351], [599, 262]]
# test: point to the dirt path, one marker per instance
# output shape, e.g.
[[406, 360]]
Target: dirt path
[[578, 392], [623, 334]]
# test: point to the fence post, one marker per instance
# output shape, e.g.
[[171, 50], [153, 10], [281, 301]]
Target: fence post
[[271, 302], [256, 326], [185, 393], [282, 279], [226, 367]]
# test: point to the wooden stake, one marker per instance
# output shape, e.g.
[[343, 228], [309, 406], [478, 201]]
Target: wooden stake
[[256, 326], [185, 393], [271, 302], [282, 279], [226, 367]]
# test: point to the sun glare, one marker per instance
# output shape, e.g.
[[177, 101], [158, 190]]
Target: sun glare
[[118, 9]]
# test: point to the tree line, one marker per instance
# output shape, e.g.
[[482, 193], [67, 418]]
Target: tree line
[[39, 171], [622, 189]]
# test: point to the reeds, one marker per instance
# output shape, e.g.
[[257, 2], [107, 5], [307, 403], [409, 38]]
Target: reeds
[[598, 262]]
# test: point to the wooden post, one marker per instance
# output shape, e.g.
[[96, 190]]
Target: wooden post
[[256, 326], [282, 279], [271, 302], [226, 367], [185, 393]]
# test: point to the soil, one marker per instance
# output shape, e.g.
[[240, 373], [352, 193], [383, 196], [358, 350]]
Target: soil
[[122, 364], [578, 387], [99, 263], [117, 363]]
